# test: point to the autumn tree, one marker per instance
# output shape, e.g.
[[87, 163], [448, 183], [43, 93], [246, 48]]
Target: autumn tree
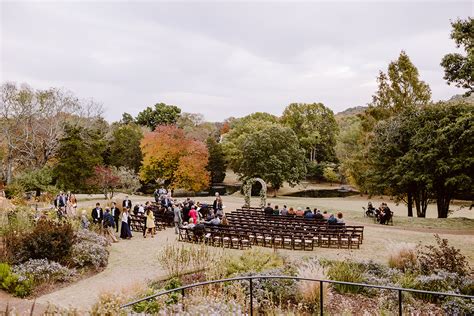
[[159, 114], [105, 180], [195, 127], [459, 69], [170, 156]]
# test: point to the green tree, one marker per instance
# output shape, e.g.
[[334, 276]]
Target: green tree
[[444, 145], [316, 129], [239, 130], [330, 175], [400, 89], [394, 164], [217, 165], [127, 118], [273, 154], [79, 152], [160, 114], [459, 69], [38, 180], [124, 146]]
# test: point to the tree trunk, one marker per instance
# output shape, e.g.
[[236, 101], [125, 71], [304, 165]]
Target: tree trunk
[[421, 202], [410, 204], [442, 201]]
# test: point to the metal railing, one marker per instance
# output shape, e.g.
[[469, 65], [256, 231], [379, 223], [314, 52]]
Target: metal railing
[[250, 279]]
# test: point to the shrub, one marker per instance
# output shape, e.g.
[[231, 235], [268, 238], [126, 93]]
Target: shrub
[[151, 306], [17, 285], [253, 260], [458, 307], [180, 259], [84, 235], [42, 270], [434, 282], [48, 240], [404, 258], [89, 254], [442, 257], [309, 291], [347, 272], [108, 305], [5, 271]]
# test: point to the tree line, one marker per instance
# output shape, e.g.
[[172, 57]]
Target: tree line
[[403, 144]]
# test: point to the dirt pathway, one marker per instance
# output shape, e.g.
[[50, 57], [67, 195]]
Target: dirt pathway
[[131, 263]]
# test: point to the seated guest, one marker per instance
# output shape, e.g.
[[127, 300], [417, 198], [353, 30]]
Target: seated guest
[[325, 215], [332, 220], [284, 211], [308, 215], [268, 210], [214, 221], [210, 215], [339, 218], [306, 211], [291, 211], [318, 215], [276, 211], [190, 224], [224, 221], [299, 212], [386, 214]]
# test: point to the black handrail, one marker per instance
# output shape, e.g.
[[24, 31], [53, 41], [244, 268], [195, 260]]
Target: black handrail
[[400, 290]]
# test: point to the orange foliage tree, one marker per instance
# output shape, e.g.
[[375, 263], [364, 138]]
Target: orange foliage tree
[[178, 160]]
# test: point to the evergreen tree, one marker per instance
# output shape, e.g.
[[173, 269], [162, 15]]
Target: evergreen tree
[[80, 151], [216, 165]]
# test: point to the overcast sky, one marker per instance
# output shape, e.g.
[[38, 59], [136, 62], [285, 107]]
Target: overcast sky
[[223, 59]]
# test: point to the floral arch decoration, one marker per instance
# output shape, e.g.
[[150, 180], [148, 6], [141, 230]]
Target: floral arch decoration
[[247, 188]]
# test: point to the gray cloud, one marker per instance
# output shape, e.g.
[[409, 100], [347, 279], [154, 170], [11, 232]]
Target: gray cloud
[[223, 59]]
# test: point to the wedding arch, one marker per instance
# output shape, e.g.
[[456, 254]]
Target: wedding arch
[[247, 188]]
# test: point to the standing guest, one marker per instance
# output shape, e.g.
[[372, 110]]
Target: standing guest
[[166, 202], [71, 204], [268, 210], [84, 220], [284, 211], [186, 209], [150, 223], [178, 219], [193, 214], [60, 203], [97, 214], [115, 214], [127, 203], [156, 195], [125, 232], [217, 204], [276, 210], [141, 209], [109, 225]]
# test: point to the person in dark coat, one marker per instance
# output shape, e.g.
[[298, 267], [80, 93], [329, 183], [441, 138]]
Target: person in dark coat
[[115, 212], [268, 210], [97, 213], [127, 203]]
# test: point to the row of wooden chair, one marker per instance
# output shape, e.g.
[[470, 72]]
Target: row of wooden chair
[[137, 223]]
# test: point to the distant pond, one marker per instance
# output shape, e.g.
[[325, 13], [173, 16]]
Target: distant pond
[[323, 193]]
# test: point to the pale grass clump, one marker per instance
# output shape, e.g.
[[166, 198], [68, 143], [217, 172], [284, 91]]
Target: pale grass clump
[[402, 256], [309, 291], [180, 259], [108, 305]]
